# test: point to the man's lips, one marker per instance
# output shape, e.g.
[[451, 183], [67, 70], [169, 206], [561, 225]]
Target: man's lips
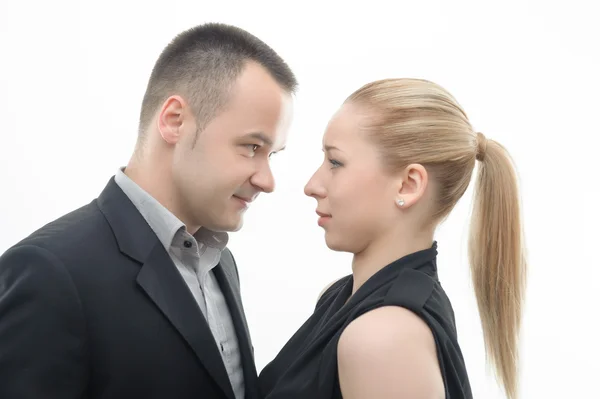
[[245, 199]]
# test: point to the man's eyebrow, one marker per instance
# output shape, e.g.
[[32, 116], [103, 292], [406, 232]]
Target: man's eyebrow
[[260, 136]]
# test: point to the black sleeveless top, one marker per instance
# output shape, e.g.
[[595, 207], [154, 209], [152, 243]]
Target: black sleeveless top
[[306, 367]]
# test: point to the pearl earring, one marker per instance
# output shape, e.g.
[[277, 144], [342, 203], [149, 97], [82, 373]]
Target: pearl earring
[[400, 202]]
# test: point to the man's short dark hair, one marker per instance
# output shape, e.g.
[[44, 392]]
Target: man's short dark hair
[[201, 64]]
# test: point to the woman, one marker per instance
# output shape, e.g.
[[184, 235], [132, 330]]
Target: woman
[[399, 154]]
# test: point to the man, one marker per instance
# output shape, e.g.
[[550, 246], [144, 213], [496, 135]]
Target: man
[[135, 294]]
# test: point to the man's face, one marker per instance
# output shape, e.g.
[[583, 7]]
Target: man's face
[[220, 170]]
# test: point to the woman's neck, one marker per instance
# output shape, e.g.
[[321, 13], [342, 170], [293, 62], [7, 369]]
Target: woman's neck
[[384, 251]]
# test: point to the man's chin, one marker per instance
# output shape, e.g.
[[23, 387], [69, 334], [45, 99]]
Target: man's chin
[[238, 226]]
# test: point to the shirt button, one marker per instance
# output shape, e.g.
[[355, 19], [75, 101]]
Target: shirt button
[[187, 244]]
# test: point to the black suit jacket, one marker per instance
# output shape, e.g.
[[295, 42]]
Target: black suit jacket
[[91, 306]]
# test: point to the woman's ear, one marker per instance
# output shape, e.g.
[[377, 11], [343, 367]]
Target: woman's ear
[[412, 184]]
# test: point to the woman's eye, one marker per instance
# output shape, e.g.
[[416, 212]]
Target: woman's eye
[[334, 163]]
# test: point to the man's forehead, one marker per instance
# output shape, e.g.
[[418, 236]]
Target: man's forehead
[[285, 121]]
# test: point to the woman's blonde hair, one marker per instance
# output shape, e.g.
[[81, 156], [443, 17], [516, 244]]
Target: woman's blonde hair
[[417, 121]]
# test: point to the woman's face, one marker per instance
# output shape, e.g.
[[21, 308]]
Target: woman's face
[[355, 195]]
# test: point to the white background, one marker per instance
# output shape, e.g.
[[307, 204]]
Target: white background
[[72, 76]]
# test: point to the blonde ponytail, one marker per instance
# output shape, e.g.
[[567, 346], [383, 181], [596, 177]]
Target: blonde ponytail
[[496, 255]]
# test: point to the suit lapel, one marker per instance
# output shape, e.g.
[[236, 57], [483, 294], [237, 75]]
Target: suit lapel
[[231, 293], [161, 281], [165, 287]]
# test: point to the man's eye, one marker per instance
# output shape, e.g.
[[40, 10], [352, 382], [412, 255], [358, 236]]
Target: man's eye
[[252, 148]]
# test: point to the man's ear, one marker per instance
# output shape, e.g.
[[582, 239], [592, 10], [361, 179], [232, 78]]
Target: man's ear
[[171, 118]]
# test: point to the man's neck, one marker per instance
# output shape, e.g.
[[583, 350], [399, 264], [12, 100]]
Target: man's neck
[[157, 184]]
